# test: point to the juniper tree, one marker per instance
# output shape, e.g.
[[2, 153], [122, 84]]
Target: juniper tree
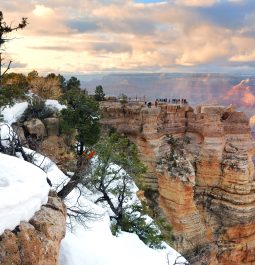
[[81, 117], [111, 180]]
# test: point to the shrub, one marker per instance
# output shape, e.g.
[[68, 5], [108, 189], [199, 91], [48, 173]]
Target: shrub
[[36, 109], [46, 88]]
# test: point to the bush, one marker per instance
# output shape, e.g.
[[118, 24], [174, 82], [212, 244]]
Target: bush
[[46, 88], [17, 80], [36, 109]]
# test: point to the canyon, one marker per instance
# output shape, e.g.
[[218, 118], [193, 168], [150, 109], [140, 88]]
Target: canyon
[[200, 175]]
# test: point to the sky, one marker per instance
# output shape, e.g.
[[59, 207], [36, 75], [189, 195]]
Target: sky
[[95, 36]]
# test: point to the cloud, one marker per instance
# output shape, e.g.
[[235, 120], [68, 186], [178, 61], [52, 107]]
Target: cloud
[[18, 65], [43, 11], [82, 26], [246, 57], [195, 2], [111, 47], [53, 48], [102, 35]]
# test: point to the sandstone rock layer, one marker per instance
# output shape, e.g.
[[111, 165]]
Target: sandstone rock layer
[[36, 242], [211, 205]]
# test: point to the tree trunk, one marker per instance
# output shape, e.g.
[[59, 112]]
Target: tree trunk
[[82, 165]]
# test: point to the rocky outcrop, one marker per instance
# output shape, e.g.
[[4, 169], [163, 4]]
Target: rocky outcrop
[[202, 178], [59, 152], [52, 126], [35, 127], [36, 242]]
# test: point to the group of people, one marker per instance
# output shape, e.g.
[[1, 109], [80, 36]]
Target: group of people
[[166, 100], [173, 100]]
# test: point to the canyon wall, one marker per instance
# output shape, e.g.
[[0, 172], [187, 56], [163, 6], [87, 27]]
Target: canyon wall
[[36, 242], [200, 175]]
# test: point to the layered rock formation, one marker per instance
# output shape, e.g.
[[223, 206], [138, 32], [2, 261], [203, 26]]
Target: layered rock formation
[[201, 178], [36, 242]]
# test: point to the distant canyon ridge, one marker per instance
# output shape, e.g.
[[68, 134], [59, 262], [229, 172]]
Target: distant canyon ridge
[[223, 89]]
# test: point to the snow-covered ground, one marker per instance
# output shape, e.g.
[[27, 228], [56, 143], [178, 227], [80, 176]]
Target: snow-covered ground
[[95, 244], [23, 189], [11, 114], [54, 104]]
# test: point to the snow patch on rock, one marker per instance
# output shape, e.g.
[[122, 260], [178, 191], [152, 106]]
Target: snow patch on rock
[[23, 189]]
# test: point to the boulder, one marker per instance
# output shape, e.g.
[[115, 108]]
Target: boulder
[[21, 134], [52, 126], [35, 127], [36, 242]]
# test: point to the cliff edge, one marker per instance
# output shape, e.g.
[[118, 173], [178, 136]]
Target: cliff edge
[[200, 174], [36, 242]]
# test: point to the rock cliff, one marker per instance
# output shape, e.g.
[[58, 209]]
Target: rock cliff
[[200, 174], [36, 242]]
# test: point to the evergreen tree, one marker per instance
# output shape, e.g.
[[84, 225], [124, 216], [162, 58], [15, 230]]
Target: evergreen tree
[[62, 82], [99, 93], [80, 116], [115, 168], [73, 83]]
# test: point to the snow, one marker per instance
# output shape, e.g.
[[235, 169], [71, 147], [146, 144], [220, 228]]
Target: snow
[[97, 246], [13, 113], [23, 189], [54, 104]]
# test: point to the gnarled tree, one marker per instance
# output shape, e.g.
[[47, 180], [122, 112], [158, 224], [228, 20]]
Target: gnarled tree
[[81, 117]]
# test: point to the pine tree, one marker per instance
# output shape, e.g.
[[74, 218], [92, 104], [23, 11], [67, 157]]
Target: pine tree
[[99, 93]]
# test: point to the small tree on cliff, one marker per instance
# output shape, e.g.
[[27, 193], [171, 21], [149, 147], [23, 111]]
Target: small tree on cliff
[[111, 180], [6, 29], [81, 117], [99, 93]]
